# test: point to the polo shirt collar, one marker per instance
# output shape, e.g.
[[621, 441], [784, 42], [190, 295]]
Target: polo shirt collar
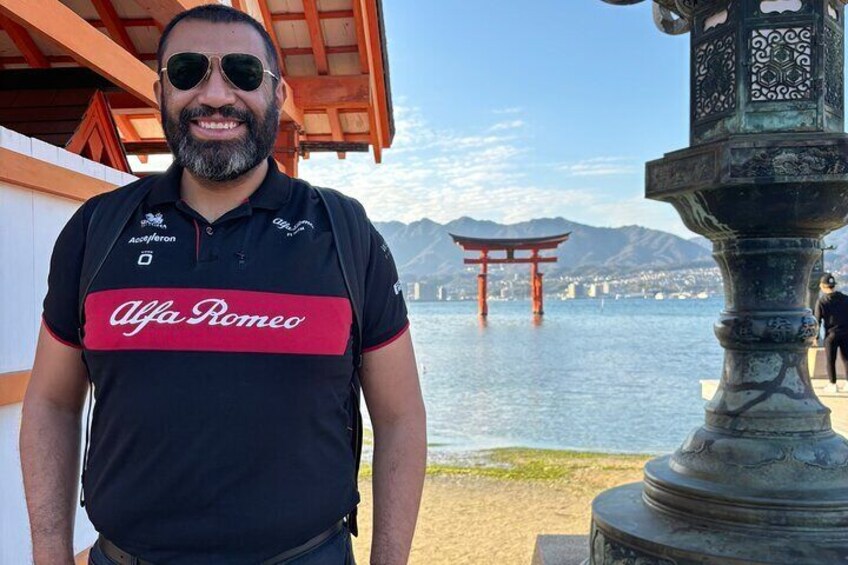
[[272, 193]]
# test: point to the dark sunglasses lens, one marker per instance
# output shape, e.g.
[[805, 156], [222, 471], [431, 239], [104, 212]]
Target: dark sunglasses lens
[[244, 71], [186, 70]]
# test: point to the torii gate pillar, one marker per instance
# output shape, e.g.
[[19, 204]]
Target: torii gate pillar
[[536, 292], [482, 288]]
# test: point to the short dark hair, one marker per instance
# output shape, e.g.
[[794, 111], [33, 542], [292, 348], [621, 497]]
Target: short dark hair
[[219, 14]]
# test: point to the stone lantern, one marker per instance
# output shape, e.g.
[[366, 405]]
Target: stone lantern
[[765, 479]]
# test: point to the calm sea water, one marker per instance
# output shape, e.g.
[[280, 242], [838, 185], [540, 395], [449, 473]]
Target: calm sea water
[[617, 377]]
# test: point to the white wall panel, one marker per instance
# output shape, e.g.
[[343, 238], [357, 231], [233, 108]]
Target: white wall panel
[[16, 279], [30, 221]]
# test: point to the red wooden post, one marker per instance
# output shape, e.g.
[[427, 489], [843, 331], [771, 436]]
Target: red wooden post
[[482, 304], [536, 284]]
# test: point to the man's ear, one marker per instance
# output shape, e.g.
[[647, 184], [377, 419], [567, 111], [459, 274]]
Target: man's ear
[[280, 91], [157, 90]]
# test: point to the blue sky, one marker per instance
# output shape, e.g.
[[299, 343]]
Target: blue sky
[[515, 110]]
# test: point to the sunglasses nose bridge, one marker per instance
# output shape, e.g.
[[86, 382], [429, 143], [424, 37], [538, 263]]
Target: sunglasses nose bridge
[[216, 89]]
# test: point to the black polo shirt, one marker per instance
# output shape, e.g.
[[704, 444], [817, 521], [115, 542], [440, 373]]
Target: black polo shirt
[[221, 358]]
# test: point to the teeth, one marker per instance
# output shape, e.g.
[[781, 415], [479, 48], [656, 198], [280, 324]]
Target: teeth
[[218, 125]]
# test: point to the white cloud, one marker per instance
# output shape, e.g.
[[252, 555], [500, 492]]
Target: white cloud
[[600, 166], [442, 175], [510, 110], [508, 125]]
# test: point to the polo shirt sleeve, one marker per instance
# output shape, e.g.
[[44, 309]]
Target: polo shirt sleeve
[[384, 315], [60, 315]]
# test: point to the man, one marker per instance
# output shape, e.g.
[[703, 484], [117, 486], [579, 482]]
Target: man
[[832, 310], [218, 337]]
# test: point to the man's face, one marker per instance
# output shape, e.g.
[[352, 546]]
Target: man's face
[[216, 131]]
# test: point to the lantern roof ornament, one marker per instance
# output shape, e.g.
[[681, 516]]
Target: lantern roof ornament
[[675, 17]]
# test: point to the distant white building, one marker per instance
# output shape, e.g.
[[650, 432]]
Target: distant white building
[[423, 292]]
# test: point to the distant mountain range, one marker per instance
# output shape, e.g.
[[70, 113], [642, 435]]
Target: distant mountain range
[[425, 248]]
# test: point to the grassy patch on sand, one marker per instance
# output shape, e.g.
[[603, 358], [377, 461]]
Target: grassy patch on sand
[[530, 464]]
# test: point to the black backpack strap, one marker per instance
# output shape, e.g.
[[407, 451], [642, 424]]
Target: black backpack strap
[[352, 238], [110, 214]]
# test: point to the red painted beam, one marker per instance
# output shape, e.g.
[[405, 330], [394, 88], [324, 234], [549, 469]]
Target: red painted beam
[[32, 55], [300, 16], [112, 23], [503, 261]]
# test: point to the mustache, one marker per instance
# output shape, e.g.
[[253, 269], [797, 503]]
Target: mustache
[[204, 111]]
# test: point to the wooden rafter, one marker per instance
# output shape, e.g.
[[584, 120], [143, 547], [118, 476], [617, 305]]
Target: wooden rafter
[[112, 23], [349, 137], [349, 91], [378, 113], [125, 103], [259, 11], [328, 50], [25, 44], [163, 11], [316, 35], [147, 147], [375, 135], [84, 43], [300, 16], [126, 127], [127, 22], [63, 59], [361, 41], [336, 128]]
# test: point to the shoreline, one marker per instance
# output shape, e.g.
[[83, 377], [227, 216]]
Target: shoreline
[[491, 507]]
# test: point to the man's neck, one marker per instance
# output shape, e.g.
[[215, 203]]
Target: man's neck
[[214, 199]]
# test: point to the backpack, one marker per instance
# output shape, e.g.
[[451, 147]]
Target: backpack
[[351, 237]]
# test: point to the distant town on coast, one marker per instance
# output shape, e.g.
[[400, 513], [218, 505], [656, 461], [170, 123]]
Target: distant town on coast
[[608, 263]]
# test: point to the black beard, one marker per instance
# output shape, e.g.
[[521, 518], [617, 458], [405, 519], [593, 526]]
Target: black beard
[[221, 161]]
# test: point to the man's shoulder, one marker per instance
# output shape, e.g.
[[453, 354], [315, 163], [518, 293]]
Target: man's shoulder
[[124, 192], [333, 192], [331, 195]]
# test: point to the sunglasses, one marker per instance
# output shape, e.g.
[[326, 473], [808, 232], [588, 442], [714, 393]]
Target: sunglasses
[[242, 70]]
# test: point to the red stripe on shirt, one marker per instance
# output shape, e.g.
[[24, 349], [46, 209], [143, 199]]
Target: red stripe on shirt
[[196, 319]]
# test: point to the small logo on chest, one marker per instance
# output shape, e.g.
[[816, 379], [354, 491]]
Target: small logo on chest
[[154, 220], [153, 238], [292, 230]]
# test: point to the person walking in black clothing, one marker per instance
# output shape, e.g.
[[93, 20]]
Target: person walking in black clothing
[[832, 310]]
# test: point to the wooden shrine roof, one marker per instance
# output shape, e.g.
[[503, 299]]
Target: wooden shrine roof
[[496, 244], [333, 54]]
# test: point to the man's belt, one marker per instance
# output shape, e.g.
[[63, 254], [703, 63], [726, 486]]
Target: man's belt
[[120, 556]]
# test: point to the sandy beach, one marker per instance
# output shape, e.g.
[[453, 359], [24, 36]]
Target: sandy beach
[[490, 512]]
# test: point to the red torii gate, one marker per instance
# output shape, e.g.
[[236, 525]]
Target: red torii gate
[[510, 246]]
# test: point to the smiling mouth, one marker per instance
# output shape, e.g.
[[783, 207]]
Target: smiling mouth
[[216, 125]]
